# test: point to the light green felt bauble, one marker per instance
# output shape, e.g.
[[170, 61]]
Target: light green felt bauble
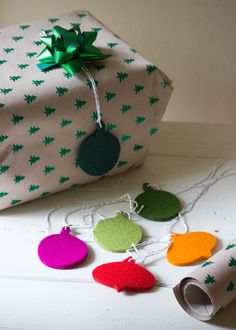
[[117, 234]]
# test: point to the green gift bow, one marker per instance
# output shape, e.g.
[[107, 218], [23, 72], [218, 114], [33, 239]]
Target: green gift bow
[[69, 49]]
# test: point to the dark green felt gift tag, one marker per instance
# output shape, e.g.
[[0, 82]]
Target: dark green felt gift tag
[[158, 205], [99, 152]]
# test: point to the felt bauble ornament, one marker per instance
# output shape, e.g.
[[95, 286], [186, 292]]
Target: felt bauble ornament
[[62, 250], [158, 205], [124, 275], [117, 234], [186, 249], [99, 152]]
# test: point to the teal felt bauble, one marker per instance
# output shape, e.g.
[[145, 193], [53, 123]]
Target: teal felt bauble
[[99, 152]]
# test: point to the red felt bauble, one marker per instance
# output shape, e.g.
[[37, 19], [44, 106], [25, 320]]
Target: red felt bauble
[[124, 275]]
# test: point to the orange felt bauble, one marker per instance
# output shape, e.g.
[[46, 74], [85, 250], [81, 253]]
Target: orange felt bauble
[[190, 247]]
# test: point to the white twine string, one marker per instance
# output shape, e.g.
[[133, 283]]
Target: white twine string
[[93, 208], [95, 92]]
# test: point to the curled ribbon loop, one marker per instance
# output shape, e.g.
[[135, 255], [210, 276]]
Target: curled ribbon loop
[[69, 49]]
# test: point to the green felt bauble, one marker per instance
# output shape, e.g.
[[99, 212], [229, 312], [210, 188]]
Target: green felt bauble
[[117, 234], [99, 152], [158, 205]]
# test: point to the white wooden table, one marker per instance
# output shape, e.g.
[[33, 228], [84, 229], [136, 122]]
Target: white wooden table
[[69, 299]]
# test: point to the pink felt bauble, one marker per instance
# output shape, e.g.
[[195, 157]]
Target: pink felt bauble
[[62, 250]]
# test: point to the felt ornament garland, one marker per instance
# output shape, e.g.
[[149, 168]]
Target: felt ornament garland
[[189, 248], [157, 205], [124, 275], [62, 250], [117, 234]]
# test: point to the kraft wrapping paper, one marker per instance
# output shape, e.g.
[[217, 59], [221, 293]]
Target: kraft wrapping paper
[[44, 117], [211, 287]]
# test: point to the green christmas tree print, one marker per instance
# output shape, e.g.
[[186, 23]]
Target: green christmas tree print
[[33, 187], [138, 88], [37, 82], [48, 169], [139, 120], [48, 111], [30, 98], [210, 279], [109, 96], [67, 75], [2, 105], [75, 24], [81, 15], [80, 103], [64, 151], [63, 179], [33, 129], [94, 116], [3, 138], [37, 42], [230, 286], [96, 29], [133, 50], [153, 130], [165, 83], [128, 60], [24, 27], [150, 68], [6, 91], [16, 119], [230, 246], [16, 148], [17, 38], [79, 134], [65, 122], [112, 44], [89, 83], [19, 178], [232, 262], [4, 168], [31, 54], [75, 185], [45, 193], [125, 108], [137, 147], [53, 20], [110, 126], [3, 194], [22, 66], [122, 163], [61, 90], [15, 78], [47, 140], [15, 201], [152, 100], [99, 67], [3, 62], [121, 76], [207, 263], [125, 137], [8, 50], [47, 31], [33, 159]]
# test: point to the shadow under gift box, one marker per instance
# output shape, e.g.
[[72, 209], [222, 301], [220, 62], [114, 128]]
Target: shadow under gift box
[[45, 116]]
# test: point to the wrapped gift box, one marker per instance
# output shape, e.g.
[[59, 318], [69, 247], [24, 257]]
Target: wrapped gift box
[[45, 116]]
